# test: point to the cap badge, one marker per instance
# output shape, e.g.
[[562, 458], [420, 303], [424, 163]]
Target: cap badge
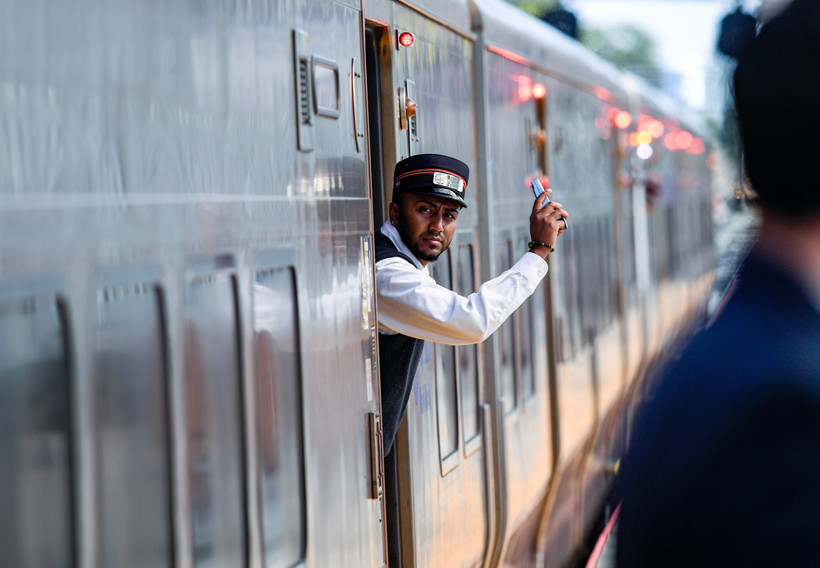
[[447, 180]]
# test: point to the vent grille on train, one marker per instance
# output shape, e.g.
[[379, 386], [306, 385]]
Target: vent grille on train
[[304, 92]]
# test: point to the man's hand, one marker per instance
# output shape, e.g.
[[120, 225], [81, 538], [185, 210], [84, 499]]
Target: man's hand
[[546, 224]]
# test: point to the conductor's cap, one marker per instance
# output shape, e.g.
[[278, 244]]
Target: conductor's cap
[[432, 174]]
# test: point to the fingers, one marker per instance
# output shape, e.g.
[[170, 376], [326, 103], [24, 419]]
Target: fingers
[[555, 209], [547, 223], [539, 201]]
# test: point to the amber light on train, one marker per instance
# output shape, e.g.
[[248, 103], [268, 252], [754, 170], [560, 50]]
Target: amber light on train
[[649, 127], [620, 118], [641, 137], [539, 91], [654, 128]]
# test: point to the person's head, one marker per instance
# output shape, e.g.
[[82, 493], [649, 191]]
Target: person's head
[[428, 193], [776, 88]]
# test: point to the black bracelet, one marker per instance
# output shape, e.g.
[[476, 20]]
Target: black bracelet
[[539, 243]]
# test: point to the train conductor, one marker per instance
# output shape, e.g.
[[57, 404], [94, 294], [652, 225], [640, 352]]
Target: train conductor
[[428, 193]]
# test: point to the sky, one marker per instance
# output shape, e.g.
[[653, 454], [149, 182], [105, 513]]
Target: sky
[[685, 32]]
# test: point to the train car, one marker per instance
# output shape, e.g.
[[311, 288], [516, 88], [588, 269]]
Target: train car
[[188, 322]]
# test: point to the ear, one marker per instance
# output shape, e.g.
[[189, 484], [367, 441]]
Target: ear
[[393, 213]]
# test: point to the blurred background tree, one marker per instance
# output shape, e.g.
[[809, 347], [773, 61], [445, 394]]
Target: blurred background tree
[[626, 46], [634, 49]]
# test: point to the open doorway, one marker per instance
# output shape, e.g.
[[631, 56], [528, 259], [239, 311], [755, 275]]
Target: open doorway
[[374, 36], [378, 77]]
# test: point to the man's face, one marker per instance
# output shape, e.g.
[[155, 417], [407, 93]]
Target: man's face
[[426, 223]]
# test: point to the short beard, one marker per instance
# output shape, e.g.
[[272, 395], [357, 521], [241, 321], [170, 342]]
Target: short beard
[[427, 257]]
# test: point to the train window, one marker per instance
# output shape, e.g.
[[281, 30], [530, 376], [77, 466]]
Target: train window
[[35, 453], [592, 296], [325, 87], [524, 328], [131, 441], [214, 419], [599, 290], [660, 224], [604, 244], [506, 341], [627, 235], [672, 231], [572, 288], [596, 290], [467, 355], [279, 416], [611, 271], [559, 300], [446, 390], [585, 281], [608, 266]]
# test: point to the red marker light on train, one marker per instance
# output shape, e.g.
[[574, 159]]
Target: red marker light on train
[[539, 91], [406, 39], [683, 140], [623, 119]]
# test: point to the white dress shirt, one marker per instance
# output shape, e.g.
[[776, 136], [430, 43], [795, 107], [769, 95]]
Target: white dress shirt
[[411, 303]]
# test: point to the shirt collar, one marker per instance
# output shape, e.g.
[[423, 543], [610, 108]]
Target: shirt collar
[[389, 231]]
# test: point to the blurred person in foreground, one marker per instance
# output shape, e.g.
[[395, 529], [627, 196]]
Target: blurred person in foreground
[[724, 465]]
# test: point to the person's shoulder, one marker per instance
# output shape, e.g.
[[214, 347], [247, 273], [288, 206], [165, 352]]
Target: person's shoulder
[[771, 320], [385, 249], [760, 346], [396, 262]]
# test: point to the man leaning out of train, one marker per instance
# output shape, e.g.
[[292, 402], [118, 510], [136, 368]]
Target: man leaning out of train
[[724, 465], [428, 193]]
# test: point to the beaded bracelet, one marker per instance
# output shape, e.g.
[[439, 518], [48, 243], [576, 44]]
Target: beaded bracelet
[[539, 243]]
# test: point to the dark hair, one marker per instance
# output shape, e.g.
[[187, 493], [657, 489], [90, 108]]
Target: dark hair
[[400, 198], [776, 87]]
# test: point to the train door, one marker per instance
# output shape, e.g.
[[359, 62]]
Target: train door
[[377, 49], [515, 138], [576, 172], [627, 296], [435, 476], [332, 233]]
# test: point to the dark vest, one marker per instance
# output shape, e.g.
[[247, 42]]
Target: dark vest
[[399, 357]]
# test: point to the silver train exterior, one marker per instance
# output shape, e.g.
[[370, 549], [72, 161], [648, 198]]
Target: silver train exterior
[[188, 354]]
